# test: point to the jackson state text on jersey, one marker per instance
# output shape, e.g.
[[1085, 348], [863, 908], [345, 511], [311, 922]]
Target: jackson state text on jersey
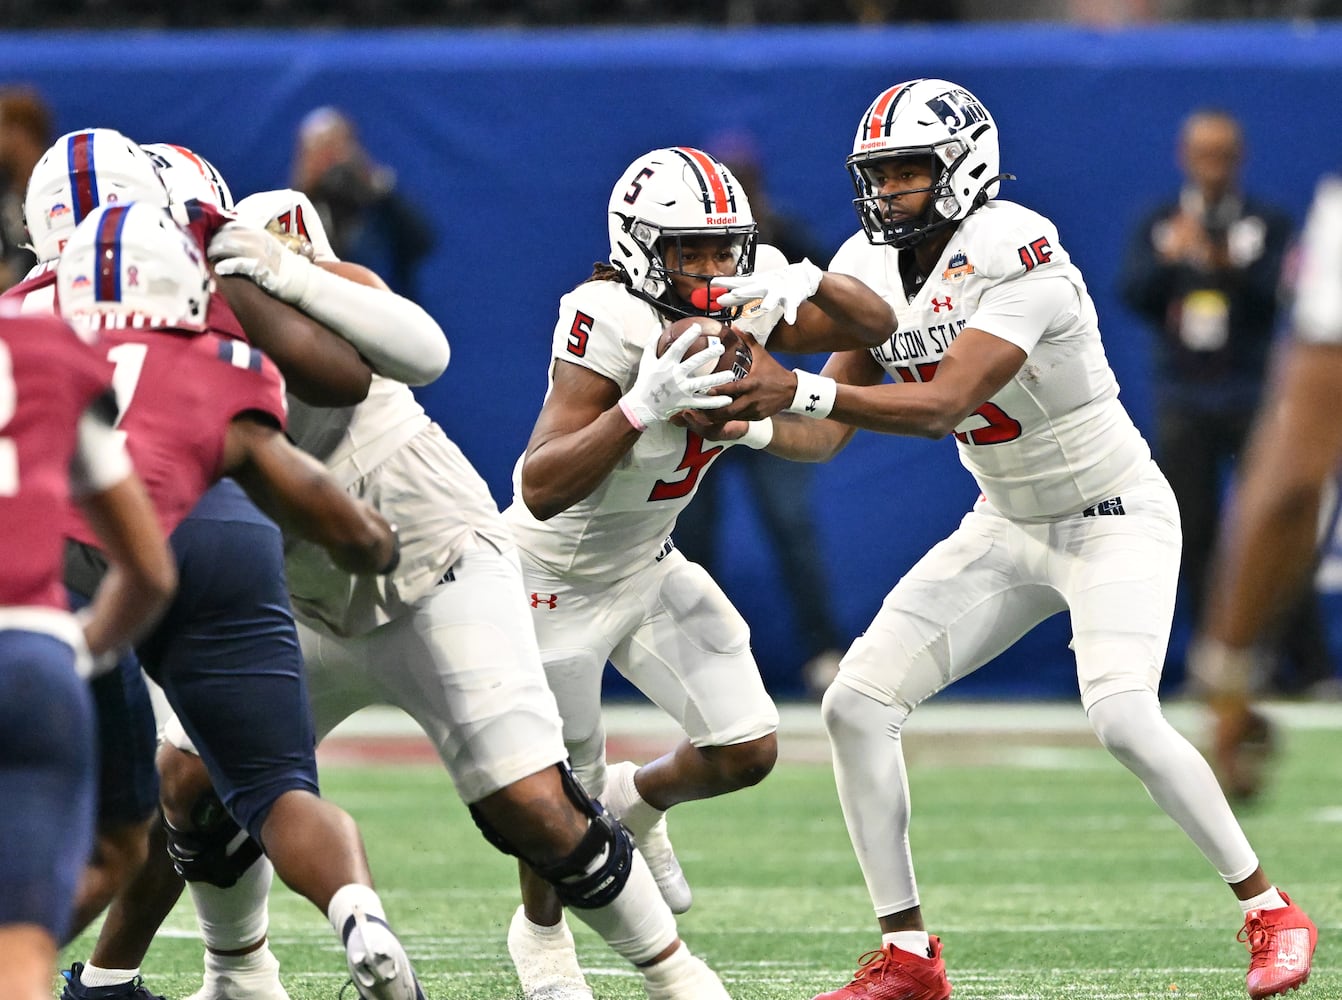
[[621, 526], [177, 394], [1055, 439], [47, 379]]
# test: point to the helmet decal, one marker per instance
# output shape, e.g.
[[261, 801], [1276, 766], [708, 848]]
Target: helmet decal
[[83, 174], [108, 254], [882, 111], [718, 199]]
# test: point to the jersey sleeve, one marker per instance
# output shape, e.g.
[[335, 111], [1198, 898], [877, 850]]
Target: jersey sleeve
[[1021, 311], [248, 381], [590, 331]]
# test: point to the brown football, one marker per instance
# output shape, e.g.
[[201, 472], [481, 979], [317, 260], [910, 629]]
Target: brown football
[[736, 356]]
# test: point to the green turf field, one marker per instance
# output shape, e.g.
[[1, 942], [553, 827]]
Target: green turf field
[[1042, 863]]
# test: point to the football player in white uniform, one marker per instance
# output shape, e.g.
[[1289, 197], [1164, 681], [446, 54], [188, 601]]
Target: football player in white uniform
[[1268, 546], [598, 489], [446, 637], [998, 344]]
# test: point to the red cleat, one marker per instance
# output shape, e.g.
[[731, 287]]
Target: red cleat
[[895, 974], [1281, 944]]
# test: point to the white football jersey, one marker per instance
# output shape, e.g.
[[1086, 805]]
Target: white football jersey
[[623, 524], [1055, 439], [388, 453], [1317, 316]]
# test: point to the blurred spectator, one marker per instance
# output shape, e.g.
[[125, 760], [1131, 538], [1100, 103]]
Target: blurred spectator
[[368, 220], [1203, 270], [779, 491], [1265, 553], [25, 134]]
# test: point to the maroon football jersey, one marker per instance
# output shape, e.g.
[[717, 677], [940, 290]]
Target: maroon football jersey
[[177, 392], [48, 377]]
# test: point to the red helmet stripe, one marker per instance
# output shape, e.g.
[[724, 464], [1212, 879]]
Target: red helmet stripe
[[708, 168], [879, 108], [83, 182], [107, 288]]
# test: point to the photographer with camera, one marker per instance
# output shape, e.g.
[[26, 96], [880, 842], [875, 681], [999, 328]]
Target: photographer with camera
[[367, 218], [1203, 270]]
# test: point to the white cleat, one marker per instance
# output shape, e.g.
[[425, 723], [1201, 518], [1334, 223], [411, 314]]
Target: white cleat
[[255, 976], [377, 963], [546, 960], [683, 977], [652, 840]]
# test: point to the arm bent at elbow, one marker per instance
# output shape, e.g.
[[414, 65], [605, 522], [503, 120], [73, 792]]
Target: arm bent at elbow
[[319, 367], [299, 494]]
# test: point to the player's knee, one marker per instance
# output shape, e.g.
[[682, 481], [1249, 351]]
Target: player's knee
[[590, 875], [595, 871], [183, 780], [210, 847], [847, 712], [744, 764]]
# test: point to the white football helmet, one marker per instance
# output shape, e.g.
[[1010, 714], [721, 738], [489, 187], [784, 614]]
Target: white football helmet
[[80, 171], [291, 216], [189, 175], [133, 266], [667, 195], [932, 118]]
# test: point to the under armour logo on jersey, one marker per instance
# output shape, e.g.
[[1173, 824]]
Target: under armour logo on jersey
[[1114, 505], [549, 600], [940, 304]]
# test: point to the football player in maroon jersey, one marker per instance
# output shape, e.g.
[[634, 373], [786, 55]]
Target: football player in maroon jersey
[[57, 442]]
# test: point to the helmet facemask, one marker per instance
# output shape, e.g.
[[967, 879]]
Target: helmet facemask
[[943, 207], [672, 244]]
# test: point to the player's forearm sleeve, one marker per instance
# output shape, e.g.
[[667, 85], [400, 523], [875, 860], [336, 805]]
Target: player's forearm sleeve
[[395, 335]]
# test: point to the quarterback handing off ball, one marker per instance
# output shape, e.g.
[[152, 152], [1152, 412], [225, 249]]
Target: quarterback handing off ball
[[736, 355]]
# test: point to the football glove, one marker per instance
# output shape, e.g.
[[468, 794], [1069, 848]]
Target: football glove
[[785, 288], [255, 253], [666, 385]]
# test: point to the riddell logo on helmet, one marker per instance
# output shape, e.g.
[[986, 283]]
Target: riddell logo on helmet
[[874, 144], [721, 220]]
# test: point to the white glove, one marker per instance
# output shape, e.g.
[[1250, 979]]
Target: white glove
[[667, 385], [785, 287], [257, 254]]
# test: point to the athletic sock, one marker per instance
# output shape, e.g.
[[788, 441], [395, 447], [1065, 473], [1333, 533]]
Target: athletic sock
[[914, 942], [1269, 900], [92, 976]]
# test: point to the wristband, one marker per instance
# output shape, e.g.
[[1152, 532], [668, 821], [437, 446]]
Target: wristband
[[629, 415], [395, 559], [815, 395], [758, 434]]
